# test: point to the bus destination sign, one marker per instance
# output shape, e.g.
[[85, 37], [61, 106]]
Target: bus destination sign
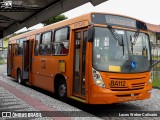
[[122, 21], [113, 20]]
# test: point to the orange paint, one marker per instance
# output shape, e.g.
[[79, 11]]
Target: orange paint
[[44, 69]]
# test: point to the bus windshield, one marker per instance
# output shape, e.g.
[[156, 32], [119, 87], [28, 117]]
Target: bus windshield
[[131, 57]]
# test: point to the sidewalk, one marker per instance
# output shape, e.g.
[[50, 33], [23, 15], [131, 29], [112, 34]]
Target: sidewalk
[[14, 100], [19, 98]]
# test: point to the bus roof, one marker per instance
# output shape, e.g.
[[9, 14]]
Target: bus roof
[[64, 23]]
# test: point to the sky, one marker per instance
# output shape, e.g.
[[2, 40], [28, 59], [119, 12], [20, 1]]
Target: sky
[[146, 10], [40, 25]]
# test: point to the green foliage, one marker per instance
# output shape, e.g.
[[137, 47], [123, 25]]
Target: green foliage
[[1, 60], [55, 19], [155, 57], [156, 82], [6, 40], [156, 76]]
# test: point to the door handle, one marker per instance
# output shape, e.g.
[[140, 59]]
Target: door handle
[[43, 60]]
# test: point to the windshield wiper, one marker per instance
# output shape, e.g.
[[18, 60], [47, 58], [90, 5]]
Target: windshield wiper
[[131, 44], [117, 37], [136, 36], [135, 39], [122, 44]]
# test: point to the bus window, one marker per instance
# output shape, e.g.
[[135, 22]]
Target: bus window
[[61, 44], [20, 46], [45, 47], [76, 88], [37, 41]]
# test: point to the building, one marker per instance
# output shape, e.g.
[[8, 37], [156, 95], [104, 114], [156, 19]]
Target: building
[[154, 33]]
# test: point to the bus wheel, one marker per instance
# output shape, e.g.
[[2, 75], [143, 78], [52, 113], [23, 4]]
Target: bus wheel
[[62, 91], [19, 77]]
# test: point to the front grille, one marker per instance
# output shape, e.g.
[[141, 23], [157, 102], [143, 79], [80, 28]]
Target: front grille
[[135, 86], [138, 85], [127, 89], [139, 78], [127, 95], [133, 82]]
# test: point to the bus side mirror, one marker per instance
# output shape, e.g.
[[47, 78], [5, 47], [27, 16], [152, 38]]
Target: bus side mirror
[[91, 34]]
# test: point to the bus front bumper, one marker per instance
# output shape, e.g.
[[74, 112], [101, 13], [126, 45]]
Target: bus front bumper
[[106, 96]]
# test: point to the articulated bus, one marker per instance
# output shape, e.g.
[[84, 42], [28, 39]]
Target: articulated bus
[[96, 58]]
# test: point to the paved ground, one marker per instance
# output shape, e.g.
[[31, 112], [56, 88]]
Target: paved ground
[[19, 98], [23, 98]]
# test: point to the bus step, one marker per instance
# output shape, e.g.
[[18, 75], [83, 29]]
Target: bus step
[[78, 99], [27, 83]]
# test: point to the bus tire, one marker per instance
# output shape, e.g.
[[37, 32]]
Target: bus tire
[[62, 90], [19, 77]]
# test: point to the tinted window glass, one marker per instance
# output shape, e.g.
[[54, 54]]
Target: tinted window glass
[[20, 46], [61, 44], [45, 46], [37, 41]]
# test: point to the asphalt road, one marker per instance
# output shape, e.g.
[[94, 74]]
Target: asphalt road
[[114, 111]]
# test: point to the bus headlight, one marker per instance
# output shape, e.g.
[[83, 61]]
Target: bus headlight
[[97, 78], [151, 78], [150, 81], [151, 74]]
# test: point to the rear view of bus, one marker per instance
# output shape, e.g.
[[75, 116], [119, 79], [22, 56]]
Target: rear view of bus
[[121, 59]]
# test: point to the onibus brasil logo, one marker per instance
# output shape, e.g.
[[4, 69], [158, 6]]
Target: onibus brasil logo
[[6, 5]]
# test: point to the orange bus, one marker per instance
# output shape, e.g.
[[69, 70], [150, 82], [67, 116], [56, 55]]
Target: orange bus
[[97, 58]]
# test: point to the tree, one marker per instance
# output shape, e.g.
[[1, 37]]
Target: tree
[[55, 19], [6, 40]]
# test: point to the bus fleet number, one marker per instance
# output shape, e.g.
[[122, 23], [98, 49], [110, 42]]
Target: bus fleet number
[[115, 83]]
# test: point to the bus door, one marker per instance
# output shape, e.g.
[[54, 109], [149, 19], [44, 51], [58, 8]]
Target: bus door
[[79, 84], [9, 60], [25, 59], [30, 54]]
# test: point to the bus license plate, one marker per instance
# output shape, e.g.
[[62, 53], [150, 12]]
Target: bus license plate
[[117, 83]]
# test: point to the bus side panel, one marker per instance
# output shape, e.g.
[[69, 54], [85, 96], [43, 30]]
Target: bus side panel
[[13, 74], [17, 64], [41, 75], [44, 73]]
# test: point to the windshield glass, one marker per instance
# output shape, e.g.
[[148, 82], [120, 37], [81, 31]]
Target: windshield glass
[[108, 55], [139, 51]]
